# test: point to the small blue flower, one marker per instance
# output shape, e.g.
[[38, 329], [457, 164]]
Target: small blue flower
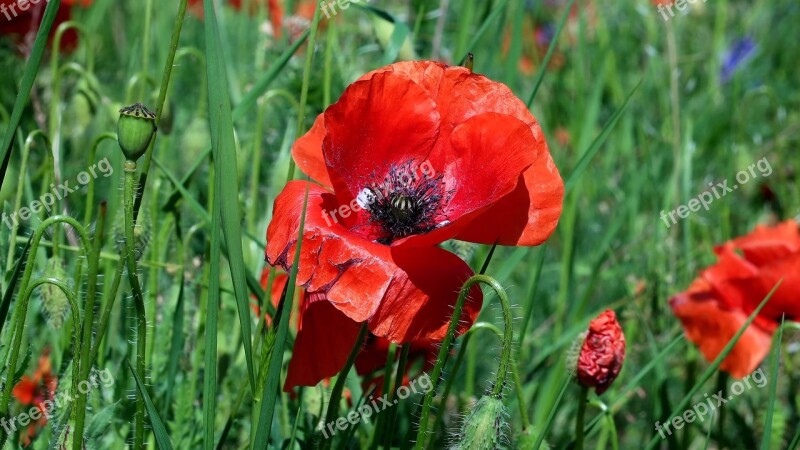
[[739, 53]]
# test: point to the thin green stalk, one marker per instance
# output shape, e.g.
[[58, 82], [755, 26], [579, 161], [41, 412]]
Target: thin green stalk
[[162, 96], [579, 419], [23, 167], [398, 380], [138, 299], [82, 369], [444, 351], [338, 387]]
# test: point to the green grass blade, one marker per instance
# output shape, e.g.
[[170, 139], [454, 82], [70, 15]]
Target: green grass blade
[[551, 415], [494, 15], [162, 438], [269, 76], [773, 389], [271, 388], [12, 284], [28, 77], [587, 156], [550, 49], [212, 319], [227, 179]]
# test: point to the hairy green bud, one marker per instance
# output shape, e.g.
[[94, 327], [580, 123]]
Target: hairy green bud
[[484, 428]]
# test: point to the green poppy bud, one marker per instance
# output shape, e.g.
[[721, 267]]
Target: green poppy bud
[[485, 427], [135, 130]]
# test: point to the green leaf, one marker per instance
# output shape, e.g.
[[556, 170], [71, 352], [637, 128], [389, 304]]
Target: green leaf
[[226, 176], [162, 438], [773, 389], [587, 156]]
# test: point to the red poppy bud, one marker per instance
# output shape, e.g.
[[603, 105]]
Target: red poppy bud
[[602, 353]]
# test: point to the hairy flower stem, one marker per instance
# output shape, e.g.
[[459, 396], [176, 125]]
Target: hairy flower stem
[[508, 343], [444, 351], [81, 372], [579, 432], [21, 308], [138, 298]]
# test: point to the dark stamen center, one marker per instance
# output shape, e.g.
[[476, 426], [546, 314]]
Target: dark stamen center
[[408, 202]]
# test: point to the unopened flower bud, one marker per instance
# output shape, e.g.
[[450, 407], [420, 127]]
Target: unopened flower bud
[[602, 353], [135, 129], [485, 427]]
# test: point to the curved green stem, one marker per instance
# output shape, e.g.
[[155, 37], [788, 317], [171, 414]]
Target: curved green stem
[[76, 317], [523, 409], [445, 350], [508, 343], [21, 309]]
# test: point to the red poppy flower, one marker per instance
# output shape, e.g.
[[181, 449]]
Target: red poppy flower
[[602, 353], [411, 155], [35, 391], [22, 24], [717, 304]]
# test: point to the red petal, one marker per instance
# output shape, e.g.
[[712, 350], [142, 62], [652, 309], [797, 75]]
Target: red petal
[[25, 390], [483, 164], [377, 123], [324, 341], [528, 215], [420, 300], [307, 153], [711, 328]]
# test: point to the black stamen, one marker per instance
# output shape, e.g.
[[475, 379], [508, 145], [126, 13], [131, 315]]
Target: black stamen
[[407, 202]]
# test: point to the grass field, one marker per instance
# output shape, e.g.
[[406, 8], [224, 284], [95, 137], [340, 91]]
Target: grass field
[[645, 114]]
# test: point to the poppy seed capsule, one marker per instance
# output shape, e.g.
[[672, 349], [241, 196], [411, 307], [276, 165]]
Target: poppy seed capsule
[[135, 129], [484, 428]]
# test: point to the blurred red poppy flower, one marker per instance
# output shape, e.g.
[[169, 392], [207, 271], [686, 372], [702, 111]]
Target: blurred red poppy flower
[[411, 155], [274, 7], [22, 24], [719, 301], [35, 391], [602, 353]]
